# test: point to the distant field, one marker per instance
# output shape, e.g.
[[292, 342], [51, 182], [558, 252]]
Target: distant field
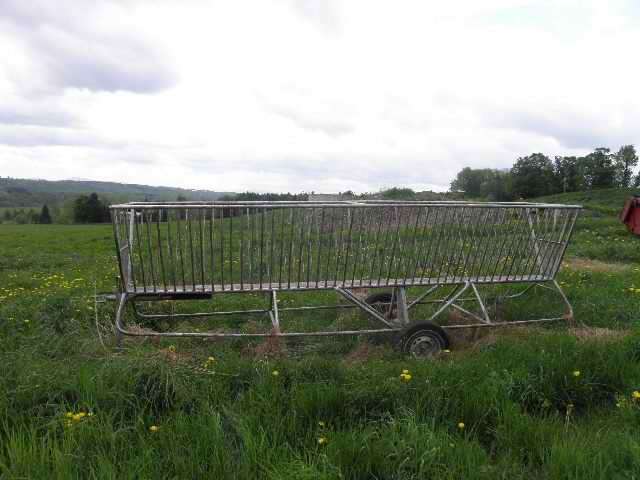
[[607, 201], [552, 402]]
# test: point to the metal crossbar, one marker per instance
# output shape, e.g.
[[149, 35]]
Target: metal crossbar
[[186, 250]]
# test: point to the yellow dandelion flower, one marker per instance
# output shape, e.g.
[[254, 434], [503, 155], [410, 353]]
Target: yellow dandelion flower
[[576, 373], [82, 414], [635, 394], [154, 428], [405, 376], [323, 440], [68, 414], [77, 417], [461, 425], [275, 373], [405, 372], [172, 348], [211, 359]]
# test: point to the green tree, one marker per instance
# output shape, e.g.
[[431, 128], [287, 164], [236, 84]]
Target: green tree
[[533, 176], [569, 174], [90, 209], [45, 216], [600, 171], [625, 161]]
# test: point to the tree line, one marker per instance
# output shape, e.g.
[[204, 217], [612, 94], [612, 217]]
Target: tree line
[[537, 175]]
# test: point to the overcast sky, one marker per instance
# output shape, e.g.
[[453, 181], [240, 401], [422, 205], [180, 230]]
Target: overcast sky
[[306, 95]]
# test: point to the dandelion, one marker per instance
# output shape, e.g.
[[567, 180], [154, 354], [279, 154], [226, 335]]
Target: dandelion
[[446, 350], [323, 441], [461, 425], [275, 373], [321, 424], [405, 376], [211, 360], [635, 394], [68, 414], [576, 373], [405, 372], [76, 417], [172, 348], [154, 428]]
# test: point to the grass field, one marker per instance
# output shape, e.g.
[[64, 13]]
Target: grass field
[[553, 402]]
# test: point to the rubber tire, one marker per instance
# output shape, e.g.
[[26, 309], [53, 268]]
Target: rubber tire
[[434, 333]]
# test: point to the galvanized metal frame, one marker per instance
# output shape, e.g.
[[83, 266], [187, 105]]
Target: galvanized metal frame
[[188, 250]]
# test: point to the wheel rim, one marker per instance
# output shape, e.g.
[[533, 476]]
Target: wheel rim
[[424, 345]]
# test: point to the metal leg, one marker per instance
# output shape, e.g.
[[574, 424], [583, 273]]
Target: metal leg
[[569, 314], [487, 319], [273, 313], [119, 329], [363, 305], [401, 305], [450, 301]]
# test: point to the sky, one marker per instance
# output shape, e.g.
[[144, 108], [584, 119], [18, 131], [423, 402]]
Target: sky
[[310, 95]]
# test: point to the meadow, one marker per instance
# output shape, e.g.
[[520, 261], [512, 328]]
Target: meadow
[[561, 401]]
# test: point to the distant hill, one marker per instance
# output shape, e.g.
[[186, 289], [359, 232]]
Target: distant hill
[[606, 201], [18, 192]]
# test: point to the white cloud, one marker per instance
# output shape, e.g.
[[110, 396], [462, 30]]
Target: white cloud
[[308, 94]]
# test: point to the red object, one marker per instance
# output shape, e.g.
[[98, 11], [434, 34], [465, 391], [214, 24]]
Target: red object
[[630, 214]]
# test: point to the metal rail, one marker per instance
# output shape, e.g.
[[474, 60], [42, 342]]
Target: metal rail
[[191, 250]]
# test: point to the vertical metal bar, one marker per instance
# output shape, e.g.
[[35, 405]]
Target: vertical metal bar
[[129, 227], [319, 242], [242, 222], [423, 241], [221, 228], [450, 245], [162, 269], [179, 238], [330, 238], [349, 241], [231, 280], [171, 251], [505, 227], [439, 225], [376, 249], [406, 258], [151, 265], [201, 226], [339, 246], [252, 227], [383, 253], [272, 241], [364, 227], [212, 217], [261, 243], [191, 252], [115, 222], [282, 238], [290, 256], [396, 239]]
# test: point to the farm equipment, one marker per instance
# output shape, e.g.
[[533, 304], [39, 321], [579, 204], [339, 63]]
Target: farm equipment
[[630, 214], [208, 250]]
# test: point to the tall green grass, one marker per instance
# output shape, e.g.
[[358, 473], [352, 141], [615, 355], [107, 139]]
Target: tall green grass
[[535, 403]]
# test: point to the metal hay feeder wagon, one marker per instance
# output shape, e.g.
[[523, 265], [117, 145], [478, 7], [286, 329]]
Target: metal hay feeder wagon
[[204, 250]]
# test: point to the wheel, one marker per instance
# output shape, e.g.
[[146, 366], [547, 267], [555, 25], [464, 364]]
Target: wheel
[[423, 340], [380, 301]]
